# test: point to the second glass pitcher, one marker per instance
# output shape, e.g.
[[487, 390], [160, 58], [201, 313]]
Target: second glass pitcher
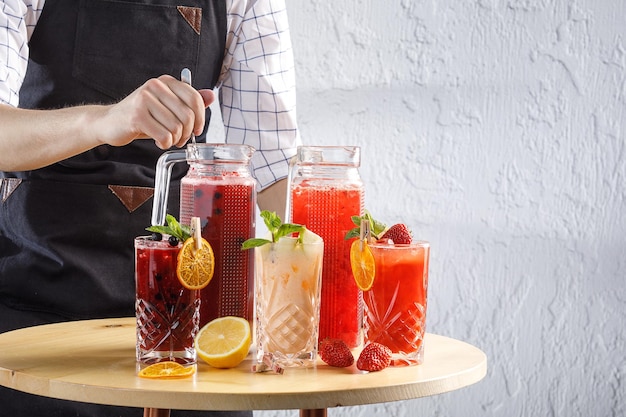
[[220, 190], [325, 191]]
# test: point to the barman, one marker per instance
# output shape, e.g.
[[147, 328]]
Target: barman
[[90, 97]]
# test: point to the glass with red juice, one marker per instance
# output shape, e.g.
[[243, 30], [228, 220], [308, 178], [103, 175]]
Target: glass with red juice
[[167, 314], [395, 306], [325, 191]]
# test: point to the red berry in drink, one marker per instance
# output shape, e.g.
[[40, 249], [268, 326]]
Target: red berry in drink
[[399, 233]]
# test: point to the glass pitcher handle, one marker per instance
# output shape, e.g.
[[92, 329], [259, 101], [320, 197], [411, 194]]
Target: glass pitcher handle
[[162, 184]]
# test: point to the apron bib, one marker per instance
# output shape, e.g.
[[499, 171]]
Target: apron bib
[[66, 230]]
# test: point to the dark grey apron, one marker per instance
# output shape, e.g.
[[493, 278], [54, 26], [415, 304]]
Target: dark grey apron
[[66, 231]]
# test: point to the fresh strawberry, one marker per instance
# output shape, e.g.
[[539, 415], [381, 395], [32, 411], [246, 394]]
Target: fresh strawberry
[[335, 352], [374, 357], [399, 233]]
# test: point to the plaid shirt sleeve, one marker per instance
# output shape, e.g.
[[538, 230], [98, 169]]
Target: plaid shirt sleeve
[[257, 90], [17, 21]]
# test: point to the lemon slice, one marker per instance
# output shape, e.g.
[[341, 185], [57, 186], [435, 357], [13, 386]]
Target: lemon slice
[[224, 342], [195, 265], [363, 265], [167, 369]]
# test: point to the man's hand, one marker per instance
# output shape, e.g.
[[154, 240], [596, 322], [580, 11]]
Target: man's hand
[[164, 109]]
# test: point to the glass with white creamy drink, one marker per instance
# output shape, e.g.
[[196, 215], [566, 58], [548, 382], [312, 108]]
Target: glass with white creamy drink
[[287, 285]]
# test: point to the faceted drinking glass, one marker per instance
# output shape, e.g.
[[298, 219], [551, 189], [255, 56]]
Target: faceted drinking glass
[[167, 313], [395, 306], [288, 281]]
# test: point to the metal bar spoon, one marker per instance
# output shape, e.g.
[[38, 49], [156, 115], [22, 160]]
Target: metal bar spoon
[[185, 76]]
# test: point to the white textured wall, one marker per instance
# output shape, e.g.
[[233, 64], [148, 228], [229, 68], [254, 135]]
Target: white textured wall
[[496, 130]]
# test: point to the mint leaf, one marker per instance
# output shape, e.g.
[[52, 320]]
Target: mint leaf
[[173, 228], [376, 227], [277, 229], [254, 242], [271, 219], [287, 229], [164, 230], [352, 233]]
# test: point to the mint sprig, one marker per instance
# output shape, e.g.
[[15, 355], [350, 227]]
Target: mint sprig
[[173, 228], [376, 227], [277, 229]]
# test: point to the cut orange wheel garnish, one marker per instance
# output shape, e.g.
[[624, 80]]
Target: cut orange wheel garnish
[[195, 266], [168, 369], [362, 262]]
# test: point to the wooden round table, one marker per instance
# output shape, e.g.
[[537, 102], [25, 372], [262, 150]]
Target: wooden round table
[[94, 361]]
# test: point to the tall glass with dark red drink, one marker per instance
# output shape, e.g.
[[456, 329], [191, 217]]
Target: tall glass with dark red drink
[[167, 313]]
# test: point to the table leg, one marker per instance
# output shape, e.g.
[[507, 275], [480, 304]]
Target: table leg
[[318, 412], [156, 412]]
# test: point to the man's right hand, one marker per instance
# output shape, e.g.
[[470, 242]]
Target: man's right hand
[[164, 109]]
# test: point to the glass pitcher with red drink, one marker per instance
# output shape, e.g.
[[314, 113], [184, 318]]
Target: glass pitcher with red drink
[[220, 190], [325, 191]]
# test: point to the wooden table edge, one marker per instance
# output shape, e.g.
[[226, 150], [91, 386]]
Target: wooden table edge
[[201, 400]]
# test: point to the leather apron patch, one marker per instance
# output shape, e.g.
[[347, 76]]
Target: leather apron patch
[[7, 186], [132, 197], [193, 16]]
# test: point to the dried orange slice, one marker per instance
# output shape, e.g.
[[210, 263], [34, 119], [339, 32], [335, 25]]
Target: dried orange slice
[[167, 369], [224, 342], [363, 266], [195, 266]]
